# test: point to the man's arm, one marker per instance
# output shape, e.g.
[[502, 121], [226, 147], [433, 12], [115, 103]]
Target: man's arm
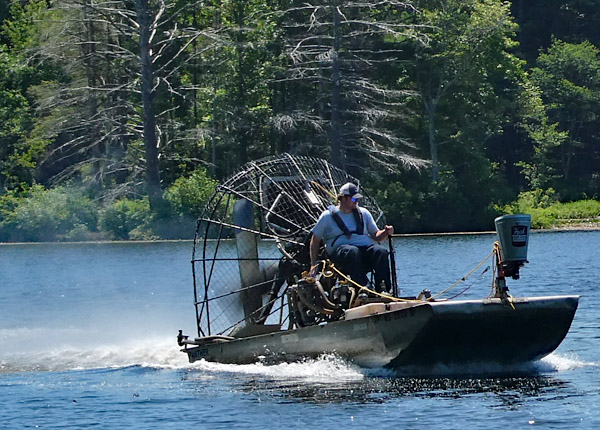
[[374, 232], [315, 244]]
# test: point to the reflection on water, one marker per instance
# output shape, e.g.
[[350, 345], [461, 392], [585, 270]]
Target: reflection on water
[[331, 380], [510, 390]]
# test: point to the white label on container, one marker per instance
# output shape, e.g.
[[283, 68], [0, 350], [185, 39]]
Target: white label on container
[[519, 235]]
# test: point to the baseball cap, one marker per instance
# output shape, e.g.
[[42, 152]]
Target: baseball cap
[[349, 189]]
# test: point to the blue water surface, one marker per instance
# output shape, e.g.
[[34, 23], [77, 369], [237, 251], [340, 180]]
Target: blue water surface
[[87, 340]]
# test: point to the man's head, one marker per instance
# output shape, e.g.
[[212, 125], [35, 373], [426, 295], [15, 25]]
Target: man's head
[[349, 190]]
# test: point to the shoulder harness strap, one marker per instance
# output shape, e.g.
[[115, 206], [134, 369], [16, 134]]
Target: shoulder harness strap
[[358, 217], [360, 224]]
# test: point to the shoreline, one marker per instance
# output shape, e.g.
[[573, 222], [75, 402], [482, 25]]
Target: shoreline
[[98, 242], [558, 229], [574, 227]]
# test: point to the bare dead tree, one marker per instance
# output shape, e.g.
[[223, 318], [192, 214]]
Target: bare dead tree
[[340, 54], [115, 57]]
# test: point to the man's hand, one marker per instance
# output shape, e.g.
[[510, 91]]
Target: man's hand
[[382, 234], [315, 244]]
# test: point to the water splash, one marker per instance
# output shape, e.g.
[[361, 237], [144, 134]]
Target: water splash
[[154, 353], [562, 363], [325, 369], [41, 349], [553, 363]]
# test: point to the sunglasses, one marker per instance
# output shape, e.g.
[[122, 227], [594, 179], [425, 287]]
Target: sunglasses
[[354, 200]]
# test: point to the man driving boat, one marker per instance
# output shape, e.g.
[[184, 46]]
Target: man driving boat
[[352, 240]]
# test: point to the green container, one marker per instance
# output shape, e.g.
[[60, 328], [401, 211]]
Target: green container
[[513, 235]]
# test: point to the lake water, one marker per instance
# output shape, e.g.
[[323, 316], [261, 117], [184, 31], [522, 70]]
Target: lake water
[[87, 339]]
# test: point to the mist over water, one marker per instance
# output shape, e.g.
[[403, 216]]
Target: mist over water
[[88, 338]]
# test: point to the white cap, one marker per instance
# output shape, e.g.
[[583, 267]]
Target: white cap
[[349, 189]]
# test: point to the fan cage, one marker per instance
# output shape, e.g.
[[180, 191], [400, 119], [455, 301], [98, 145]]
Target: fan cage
[[251, 239]]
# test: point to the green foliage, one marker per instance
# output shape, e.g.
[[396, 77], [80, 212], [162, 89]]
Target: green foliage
[[439, 207], [14, 123], [23, 28], [128, 219], [466, 76], [20, 151], [569, 78], [188, 195], [492, 125], [547, 212], [186, 199], [235, 102], [39, 214], [534, 199]]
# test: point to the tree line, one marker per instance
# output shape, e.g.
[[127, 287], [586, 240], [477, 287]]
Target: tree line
[[118, 116]]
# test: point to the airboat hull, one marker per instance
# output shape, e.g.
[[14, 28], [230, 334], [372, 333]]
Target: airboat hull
[[419, 334]]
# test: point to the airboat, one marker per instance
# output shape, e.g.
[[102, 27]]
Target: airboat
[[256, 301]]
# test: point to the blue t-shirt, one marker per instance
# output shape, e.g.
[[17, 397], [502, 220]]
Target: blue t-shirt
[[327, 229]]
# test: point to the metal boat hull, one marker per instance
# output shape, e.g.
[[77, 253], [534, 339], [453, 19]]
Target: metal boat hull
[[429, 333]]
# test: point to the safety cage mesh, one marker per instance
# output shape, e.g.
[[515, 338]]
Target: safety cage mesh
[[251, 239]]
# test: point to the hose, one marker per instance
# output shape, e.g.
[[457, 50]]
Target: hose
[[309, 305], [363, 288]]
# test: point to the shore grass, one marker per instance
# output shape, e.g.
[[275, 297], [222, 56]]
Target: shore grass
[[549, 214]]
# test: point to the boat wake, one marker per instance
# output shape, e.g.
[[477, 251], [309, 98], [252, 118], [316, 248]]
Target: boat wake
[[328, 368], [41, 351], [331, 367], [159, 353], [331, 379], [562, 363], [553, 363]]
